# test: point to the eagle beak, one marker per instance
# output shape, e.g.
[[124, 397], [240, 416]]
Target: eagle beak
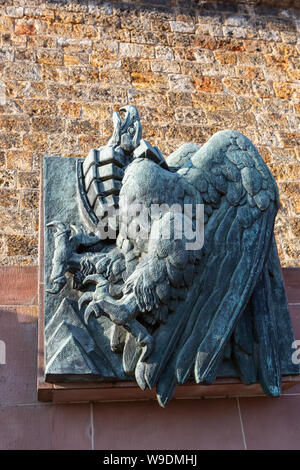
[[124, 122]]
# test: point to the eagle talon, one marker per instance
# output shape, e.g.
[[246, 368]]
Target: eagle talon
[[147, 345], [92, 308], [120, 312], [97, 279]]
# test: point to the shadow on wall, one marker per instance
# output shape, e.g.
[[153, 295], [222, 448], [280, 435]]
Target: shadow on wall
[[254, 14], [261, 6]]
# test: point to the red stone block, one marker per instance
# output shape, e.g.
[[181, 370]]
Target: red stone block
[[295, 317], [291, 277], [184, 424], [18, 285], [18, 375], [45, 427], [271, 423]]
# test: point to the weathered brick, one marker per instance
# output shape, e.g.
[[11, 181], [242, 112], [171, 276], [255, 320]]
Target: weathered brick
[[161, 66], [21, 89], [41, 13], [237, 86], [29, 199], [257, 46], [40, 107], [80, 126], [55, 73], [249, 73], [293, 74], [215, 101], [146, 37], [60, 29], [21, 245], [25, 55], [2, 159], [145, 97], [296, 205], [121, 77], [79, 59], [28, 180], [13, 123], [35, 142], [295, 225], [159, 24], [72, 45], [181, 27], [24, 27], [179, 99], [68, 92], [202, 41], [289, 139], [283, 90], [208, 84], [95, 111], [7, 178], [69, 109], [180, 83], [184, 53], [277, 62], [263, 89], [237, 32], [255, 59], [84, 31], [149, 80], [161, 114], [15, 222], [225, 58], [65, 66], [24, 71], [289, 36], [19, 160], [10, 140], [136, 50], [283, 172], [15, 12], [178, 39], [69, 17], [110, 94], [9, 198], [48, 57], [62, 144], [82, 74], [134, 65], [164, 53], [186, 114], [47, 124], [86, 142]]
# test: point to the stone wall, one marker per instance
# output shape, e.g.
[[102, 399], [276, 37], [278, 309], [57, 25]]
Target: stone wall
[[191, 67]]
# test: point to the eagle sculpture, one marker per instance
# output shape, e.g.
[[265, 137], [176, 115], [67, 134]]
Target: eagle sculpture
[[178, 304]]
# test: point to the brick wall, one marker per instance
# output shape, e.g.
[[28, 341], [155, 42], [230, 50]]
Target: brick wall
[[191, 71]]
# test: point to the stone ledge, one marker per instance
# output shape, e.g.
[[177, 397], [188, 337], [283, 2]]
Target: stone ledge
[[129, 391]]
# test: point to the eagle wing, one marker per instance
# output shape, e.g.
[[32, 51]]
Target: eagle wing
[[241, 202]]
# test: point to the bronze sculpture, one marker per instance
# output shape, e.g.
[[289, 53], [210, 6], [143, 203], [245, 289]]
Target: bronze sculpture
[[180, 304]]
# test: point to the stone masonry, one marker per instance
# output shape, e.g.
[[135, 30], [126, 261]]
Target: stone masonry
[[191, 67]]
